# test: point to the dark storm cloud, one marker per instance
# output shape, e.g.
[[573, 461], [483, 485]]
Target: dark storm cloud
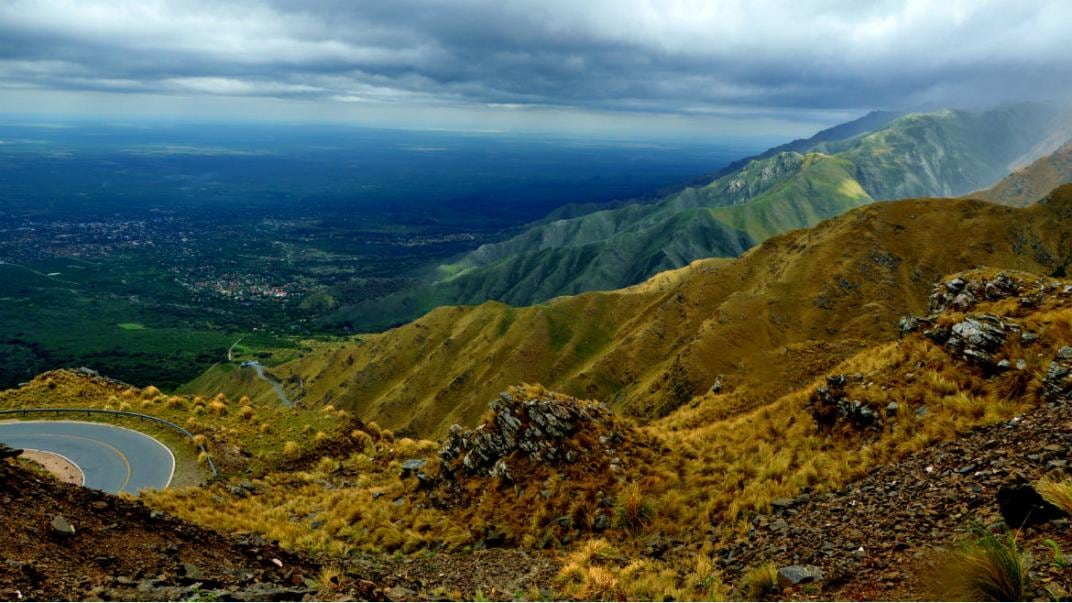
[[724, 58]]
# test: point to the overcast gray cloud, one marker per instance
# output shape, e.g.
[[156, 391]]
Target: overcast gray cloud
[[674, 62]]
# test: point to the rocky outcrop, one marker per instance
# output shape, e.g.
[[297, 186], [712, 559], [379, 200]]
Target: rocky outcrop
[[977, 337], [830, 406], [961, 294], [535, 426]]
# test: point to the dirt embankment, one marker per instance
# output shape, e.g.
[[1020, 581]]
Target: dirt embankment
[[64, 542]]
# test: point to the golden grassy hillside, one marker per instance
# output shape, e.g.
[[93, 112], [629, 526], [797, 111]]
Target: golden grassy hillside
[[638, 507], [768, 322], [692, 480]]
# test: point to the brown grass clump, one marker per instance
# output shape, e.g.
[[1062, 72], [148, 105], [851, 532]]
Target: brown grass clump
[[759, 582], [363, 442], [597, 570], [988, 568], [636, 511], [217, 408], [330, 579], [150, 392], [246, 412], [327, 465], [1057, 493]]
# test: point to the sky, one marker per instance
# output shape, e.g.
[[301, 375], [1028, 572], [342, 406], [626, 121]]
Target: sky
[[611, 67]]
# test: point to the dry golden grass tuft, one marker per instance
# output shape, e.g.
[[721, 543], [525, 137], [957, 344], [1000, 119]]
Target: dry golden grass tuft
[[597, 571], [330, 579], [758, 583], [1056, 492], [991, 567]]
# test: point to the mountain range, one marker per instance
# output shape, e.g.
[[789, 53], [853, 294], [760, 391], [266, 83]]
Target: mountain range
[[762, 324], [824, 416], [882, 156], [1029, 184]]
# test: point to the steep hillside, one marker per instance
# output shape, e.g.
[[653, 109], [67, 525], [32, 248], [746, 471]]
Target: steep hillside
[[844, 452], [871, 473], [763, 324], [1027, 185], [930, 154], [947, 152]]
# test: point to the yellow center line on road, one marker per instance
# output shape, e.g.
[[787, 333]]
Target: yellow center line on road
[[119, 453]]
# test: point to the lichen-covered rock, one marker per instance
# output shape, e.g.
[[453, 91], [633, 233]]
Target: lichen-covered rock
[[1057, 383], [535, 427], [962, 294], [792, 575], [976, 338]]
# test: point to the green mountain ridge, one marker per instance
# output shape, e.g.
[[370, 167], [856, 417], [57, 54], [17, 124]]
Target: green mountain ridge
[[941, 153]]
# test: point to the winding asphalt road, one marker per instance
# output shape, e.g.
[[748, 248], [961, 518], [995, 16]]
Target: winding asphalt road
[[113, 459]]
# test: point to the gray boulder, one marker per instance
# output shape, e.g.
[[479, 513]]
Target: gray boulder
[[792, 575]]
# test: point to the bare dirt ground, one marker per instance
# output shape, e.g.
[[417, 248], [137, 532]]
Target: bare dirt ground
[[58, 465]]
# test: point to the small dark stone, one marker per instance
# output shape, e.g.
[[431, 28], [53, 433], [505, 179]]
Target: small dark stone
[[192, 572], [602, 522]]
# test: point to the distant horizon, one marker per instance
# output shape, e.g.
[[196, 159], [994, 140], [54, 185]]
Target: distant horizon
[[59, 121], [751, 142]]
